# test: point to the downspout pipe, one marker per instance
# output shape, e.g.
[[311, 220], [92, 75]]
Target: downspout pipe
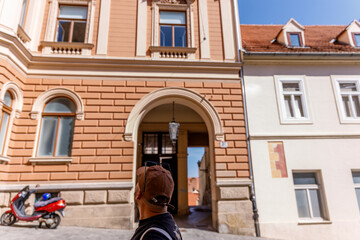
[[239, 56]]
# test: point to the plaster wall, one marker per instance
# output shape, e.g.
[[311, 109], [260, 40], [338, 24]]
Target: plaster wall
[[324, 145], [263, 105], [333, 159]]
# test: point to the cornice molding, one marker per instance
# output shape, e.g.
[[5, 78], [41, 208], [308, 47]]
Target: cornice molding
[[38, 65]]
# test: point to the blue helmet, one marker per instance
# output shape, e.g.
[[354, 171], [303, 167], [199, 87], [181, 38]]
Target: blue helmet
[[46, 196]]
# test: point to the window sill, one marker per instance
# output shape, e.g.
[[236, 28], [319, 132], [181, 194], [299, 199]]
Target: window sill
[[22, 35], [172, 52], [50, 160], [4, 159], [317, 221], [346, 120], [296, 121], [66, 48]]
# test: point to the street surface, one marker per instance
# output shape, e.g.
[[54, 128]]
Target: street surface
[[30, 231]]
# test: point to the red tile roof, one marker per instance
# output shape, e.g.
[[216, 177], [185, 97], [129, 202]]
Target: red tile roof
[[257, 38]]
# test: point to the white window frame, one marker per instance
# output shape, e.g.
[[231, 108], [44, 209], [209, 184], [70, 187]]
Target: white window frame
[[356, 186], [338, 97], [15, 113], [322, 202], [50, 46], [284, 119], [173, 5], [51, 29]]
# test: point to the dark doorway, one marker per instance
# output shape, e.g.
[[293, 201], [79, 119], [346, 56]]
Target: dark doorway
[[157, 147]]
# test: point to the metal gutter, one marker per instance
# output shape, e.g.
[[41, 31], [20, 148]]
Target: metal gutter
[[239, 47]]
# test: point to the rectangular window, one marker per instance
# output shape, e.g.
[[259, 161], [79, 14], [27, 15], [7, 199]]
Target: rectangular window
[[71, 24], [294, 39], [350, 95], [308, 196], [356, 179], [356, 39], [167, 146], [150, 143], [172, 29], [293, 99]]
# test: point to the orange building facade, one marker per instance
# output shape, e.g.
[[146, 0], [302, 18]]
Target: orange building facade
[[88, 89]]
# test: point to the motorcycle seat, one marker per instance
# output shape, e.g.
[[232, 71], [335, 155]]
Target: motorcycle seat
[[44, 203]]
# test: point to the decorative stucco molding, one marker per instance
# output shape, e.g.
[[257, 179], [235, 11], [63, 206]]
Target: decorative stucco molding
[[173, 5], [182, 96], [38, 105], [51, 25], [17, 94]]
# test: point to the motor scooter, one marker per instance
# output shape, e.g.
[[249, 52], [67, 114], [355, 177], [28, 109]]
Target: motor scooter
[[45, 211]]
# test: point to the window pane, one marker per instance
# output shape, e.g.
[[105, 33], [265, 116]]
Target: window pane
[[302, 203], [347, 106], [356, 105], [356, 177], [8, 99], [73, 12], [79, 32], [47, 136], [63, 31], [299, 108], [60, 105], [3, 129], [65, 136], [172, 17], [304, 178], [23, 13], [315, 203], [288, 106], [357, 40], [167, 146], [150, 143], [291, 87], [166, 36], [295, 40], [357, 190], [180, 36], [348, 87]]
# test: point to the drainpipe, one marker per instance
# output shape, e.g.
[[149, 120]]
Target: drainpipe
[[239, 47]]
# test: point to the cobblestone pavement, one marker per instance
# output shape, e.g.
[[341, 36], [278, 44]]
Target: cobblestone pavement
[[30, 231]]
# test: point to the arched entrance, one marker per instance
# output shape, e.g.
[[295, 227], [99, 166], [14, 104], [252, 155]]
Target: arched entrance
[[147, 126]]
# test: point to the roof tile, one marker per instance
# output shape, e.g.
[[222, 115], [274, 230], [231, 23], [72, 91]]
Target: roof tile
[[258, 38]]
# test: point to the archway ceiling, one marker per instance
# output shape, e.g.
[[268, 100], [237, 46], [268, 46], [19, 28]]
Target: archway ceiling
[[163, 113]]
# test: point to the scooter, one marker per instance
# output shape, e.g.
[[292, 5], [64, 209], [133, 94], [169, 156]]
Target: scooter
[[45, 211]]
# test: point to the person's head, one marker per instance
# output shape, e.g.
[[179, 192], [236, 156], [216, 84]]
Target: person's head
[[154, 188]]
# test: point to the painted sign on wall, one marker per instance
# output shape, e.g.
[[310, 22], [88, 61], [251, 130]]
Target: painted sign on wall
[[277, 160]]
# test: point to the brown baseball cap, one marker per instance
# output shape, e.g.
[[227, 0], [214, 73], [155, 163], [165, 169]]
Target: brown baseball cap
[[158, 183]]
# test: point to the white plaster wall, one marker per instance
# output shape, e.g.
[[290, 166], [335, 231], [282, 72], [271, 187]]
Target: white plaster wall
[[263, 109], [334, 154], [335, 158]]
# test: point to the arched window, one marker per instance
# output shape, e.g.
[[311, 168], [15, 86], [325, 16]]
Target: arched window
[[5, 119], [57, 128]]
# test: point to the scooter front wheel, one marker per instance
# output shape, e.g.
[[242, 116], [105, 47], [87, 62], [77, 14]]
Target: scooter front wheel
[[53, 221], [8, 219]]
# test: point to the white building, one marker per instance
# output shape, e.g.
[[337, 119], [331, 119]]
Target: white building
[[302, 88]]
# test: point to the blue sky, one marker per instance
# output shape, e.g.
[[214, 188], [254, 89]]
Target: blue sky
[[306, 12], [194, 155]]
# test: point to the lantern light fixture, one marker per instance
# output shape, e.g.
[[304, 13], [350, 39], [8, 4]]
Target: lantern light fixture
[[173, 128]]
